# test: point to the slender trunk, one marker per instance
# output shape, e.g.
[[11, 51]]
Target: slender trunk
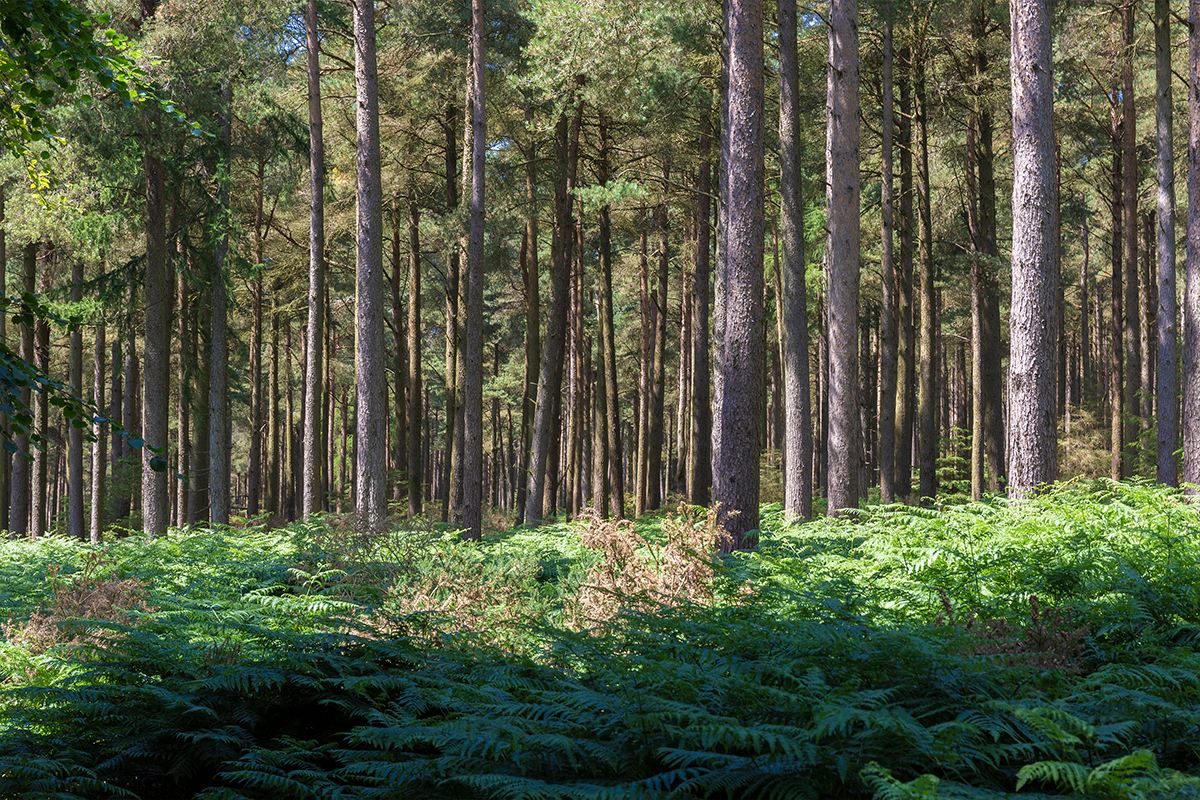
[[927, 402], [1087, 379], [533, 344], [415, 473], [699, 479], [183, 375], [41, 412], [644, 378], [218, 387], [1167, 384], [615, 467], [654, 460], [1120, 463], [75, 436], [1191, 287], [887, 312], [906, 344], [1033, 323], [313, 500], [369, 363], [18, 510], [100, 432], [473, 373], [550, 373], [1132, 327]]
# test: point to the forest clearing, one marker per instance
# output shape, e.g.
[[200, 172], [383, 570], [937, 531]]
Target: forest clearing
[[599, 399]]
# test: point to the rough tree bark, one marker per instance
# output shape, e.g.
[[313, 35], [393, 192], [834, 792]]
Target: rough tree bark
[[1167, 390], [313, 460], [157, 356], [842, 202], [736, 460], [473, 371], [797, 459], [1191, 290], [370, 363], [1034, 320]]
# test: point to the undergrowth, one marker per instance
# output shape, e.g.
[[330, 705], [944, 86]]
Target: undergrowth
[[1043, 650]]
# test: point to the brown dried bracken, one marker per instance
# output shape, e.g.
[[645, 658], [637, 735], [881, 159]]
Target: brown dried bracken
[[639, 575], [93, 594]]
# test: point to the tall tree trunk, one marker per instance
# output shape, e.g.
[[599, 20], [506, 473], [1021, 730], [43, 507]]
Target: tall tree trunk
[[1167, 385], [370, 365], [1031, 378], [797, 414], [1087, 379], [551, 369], [699, 479], [529, 278], [314, 405], [198, 504], [842, 201], [906, 342], [415, 473], [18, 512], [612, 421], [100, 432], [927, 402], [218, 387], [644, 377], [887, 266], [41, 411], [452, 290], [157, 359], [1191, 284], [740, 362], [473, 373], [185, 368], [654, 452], [1132, 327], [1119, 463], [75, 435]]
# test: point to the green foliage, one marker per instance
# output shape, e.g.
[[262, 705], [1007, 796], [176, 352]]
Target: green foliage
[[1044, 650]]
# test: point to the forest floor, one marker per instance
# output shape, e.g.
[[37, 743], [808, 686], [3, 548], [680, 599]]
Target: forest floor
[[1047, 649]]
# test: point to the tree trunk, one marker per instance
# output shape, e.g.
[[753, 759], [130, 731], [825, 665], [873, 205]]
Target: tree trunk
[[370, 365], [887, 266], [1167, 384], [218, 388], [313, 458], [1120, 464], [644, 377], [906, 344], [473, 373], [612, 420], [41, 412], [529, 279], [699, 478], [740, 362], [1191, 287], [18, 511], [157, 358], [654, 451], [842, 202], [75, 434], [797, 414], [551, 368], [100, 431], [415, 473], [1033, 323], [927, 401], [1132, 328]]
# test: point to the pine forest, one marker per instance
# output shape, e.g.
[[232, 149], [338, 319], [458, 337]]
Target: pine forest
[[599, 398]]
